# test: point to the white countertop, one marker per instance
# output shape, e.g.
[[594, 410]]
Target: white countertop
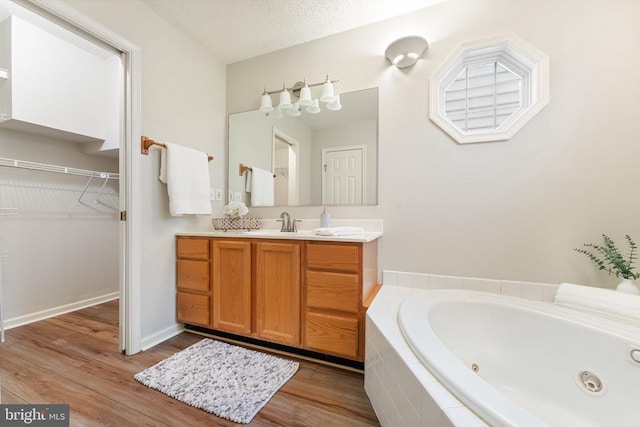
[[367, 236]]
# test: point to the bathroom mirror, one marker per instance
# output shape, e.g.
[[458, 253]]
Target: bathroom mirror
[[329, 158], [488, 89]]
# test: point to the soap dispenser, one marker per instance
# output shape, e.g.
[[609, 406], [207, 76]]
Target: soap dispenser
[[325, 218]]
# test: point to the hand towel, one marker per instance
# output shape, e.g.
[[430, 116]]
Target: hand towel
[[186, 172], [247, 185], [598, 300], [338, 231], [163, 166], [261, 187]]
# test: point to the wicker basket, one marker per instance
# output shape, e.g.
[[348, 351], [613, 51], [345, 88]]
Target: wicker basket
[[236, 223]]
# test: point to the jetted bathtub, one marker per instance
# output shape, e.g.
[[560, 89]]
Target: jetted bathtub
[[524, 363]]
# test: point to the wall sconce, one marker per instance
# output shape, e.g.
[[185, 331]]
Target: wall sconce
[[306, 102], [406, 51]]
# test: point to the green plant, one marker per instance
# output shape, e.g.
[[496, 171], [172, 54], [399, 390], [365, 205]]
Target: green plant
[[607, 257]]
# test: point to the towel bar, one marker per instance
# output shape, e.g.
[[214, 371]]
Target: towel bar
[[146, 143], [244, 168]]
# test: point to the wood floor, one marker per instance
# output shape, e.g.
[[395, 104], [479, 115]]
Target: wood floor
[[74, 359]]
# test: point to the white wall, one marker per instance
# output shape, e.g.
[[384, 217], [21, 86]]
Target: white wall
[[507, 210], [183, 102]]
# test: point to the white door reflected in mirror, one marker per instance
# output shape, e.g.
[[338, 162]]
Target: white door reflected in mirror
[[344, 177]]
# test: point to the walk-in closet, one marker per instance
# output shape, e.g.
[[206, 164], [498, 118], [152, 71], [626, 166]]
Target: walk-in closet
[[60, 131]]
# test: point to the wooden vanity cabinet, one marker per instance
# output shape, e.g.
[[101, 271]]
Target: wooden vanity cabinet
[[193, 267], [304, 294]]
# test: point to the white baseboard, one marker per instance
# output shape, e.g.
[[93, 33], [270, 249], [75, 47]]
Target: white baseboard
[[161, 336], [56, 311]]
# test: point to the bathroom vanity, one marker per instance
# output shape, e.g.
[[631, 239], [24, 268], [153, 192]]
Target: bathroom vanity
[[297, 290]]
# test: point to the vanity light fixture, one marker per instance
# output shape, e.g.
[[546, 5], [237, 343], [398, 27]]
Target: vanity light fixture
[[285, 99], [265, 102], [406, 51], [306, 102]]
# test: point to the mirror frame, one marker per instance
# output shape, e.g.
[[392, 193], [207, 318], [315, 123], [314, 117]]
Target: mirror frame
[[532, 66]]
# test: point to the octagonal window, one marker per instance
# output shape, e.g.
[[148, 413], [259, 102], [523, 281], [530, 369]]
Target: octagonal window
[[487, 90]]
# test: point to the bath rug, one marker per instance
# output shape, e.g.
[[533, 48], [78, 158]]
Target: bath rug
[[226, 380]]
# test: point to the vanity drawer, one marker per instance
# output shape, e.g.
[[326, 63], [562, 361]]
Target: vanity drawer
[[332, 256], [193, 275], [194, 309], [194, 248], [332, 334], [337, 291]]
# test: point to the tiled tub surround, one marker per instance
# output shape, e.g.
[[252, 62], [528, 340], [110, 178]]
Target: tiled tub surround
[[402, 391]]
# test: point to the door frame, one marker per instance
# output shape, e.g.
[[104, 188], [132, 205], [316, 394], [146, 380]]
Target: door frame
[[294, 145], [130, 239]]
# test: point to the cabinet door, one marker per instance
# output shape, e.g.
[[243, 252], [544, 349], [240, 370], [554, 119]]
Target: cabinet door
[[278, 292], [232, 286]]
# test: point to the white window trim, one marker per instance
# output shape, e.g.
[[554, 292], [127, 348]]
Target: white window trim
[[518, 52]]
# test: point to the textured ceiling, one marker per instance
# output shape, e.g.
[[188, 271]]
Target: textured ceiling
[[239, 29]]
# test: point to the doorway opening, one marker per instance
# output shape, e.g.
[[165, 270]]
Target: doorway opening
[[285, 169], [126, 205]]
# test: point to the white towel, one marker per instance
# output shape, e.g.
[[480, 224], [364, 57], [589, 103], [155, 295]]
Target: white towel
[[599, 301], [186, 173], [338, 231], [247, 185], [261, 187]]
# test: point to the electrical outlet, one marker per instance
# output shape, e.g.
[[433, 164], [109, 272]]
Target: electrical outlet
[[218, 194]]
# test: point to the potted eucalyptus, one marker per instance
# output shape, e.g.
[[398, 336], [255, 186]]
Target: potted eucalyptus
[[609, 258]]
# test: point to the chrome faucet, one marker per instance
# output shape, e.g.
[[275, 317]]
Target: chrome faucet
[[286, 221], [288, 224]]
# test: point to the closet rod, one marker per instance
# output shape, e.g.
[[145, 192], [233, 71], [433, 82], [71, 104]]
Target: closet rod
[[24, 164], [146, 143]]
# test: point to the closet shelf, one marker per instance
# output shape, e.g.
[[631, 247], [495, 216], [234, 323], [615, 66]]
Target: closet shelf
[[24, 164]]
